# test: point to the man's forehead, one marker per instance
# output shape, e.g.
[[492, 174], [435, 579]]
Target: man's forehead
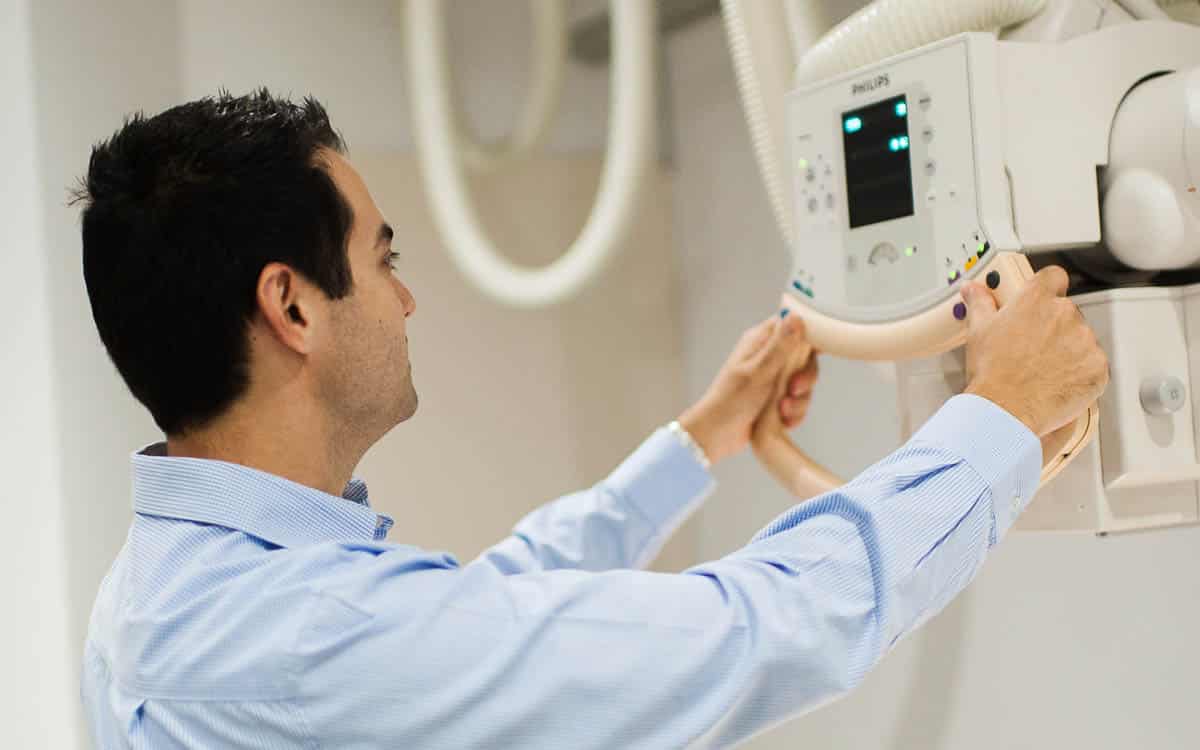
[[367, 217], [346, 176]]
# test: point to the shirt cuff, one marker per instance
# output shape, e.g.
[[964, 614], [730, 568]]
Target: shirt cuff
[[662, 479], [998, 446]]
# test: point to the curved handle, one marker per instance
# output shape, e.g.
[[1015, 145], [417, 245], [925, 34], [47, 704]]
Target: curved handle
[[937, 331]]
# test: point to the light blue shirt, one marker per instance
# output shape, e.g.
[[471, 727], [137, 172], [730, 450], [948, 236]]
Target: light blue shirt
[[246, 611]]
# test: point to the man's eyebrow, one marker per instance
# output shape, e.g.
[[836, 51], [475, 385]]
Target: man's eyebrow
[[385, 235]]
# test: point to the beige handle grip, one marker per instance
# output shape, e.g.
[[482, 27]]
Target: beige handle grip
[[932, 332]]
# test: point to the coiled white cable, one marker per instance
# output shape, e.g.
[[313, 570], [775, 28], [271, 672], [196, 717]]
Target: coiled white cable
[[889, 27], [548, 65], [763, 60], [627, 161]]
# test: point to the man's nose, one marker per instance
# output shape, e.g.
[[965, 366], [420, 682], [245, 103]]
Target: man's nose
[[410, 302]]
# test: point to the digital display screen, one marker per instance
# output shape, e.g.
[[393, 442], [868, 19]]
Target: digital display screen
[[878, 167]]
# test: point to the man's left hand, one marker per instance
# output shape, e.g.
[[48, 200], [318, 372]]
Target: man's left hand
[[723, 419]]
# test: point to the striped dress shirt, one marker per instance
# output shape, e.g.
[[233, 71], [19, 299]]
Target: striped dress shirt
[[247, 611]]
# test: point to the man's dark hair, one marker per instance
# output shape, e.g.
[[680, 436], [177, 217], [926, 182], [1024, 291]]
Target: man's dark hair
[[182, 211]]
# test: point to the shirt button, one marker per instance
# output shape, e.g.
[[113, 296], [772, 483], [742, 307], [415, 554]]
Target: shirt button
[[1016, 502]]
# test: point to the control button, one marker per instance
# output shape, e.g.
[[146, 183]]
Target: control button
[[993, 279], [851, 263], [812, 205], [1162, 394], [982, 248], [953, 276], [810, 174], [829, 200], [931, 196], [960, 311], [925, 101], [952, 191], [970, 263], [930, 166], [828, 170], [927, 133]]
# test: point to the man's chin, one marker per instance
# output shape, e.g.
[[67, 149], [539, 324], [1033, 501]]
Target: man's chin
[[410, 407]]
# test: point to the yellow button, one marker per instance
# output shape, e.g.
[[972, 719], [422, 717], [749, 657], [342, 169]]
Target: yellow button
[[971, 263]]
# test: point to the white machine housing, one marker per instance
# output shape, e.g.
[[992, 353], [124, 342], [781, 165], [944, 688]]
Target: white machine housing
[[1007, 144], [1005, 141]]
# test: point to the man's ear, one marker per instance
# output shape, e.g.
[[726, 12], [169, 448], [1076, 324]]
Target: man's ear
[[286, 301]]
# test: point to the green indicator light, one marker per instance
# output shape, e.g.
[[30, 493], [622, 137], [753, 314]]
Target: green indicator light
[[904, 141], [901, 109], [981, 248], [908, 251], [894, 144], [853, 124], [802, 163]]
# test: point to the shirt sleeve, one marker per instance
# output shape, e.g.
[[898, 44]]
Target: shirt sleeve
[[622, 522], [470, 657]]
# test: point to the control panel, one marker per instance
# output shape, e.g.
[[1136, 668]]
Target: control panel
[[886, 169]]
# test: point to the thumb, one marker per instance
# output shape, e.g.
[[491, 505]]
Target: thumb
[[981, 306]]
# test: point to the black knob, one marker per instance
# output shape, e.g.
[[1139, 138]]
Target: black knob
[[993, 279]]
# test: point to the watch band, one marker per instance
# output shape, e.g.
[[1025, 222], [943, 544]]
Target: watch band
[[690, 443]]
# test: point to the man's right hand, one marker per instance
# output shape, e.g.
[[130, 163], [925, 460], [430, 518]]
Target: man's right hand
[[1036, 358]]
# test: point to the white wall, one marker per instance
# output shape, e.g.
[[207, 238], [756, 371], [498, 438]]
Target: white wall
[[1062, 642], [33, 570], [93, 64]]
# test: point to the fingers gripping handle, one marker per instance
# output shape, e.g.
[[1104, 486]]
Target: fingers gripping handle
[[1006, 275], [791, 467]]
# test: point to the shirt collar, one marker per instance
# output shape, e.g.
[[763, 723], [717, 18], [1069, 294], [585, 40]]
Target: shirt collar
[[269, 507]]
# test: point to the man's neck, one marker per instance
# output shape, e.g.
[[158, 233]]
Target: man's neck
[[291, 442]]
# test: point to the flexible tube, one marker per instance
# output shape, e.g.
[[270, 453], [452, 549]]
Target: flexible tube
[[763, 62], [889, 27], [630, 149], [548, 64]]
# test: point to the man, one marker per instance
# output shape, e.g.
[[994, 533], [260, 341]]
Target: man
[[239, 276]]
